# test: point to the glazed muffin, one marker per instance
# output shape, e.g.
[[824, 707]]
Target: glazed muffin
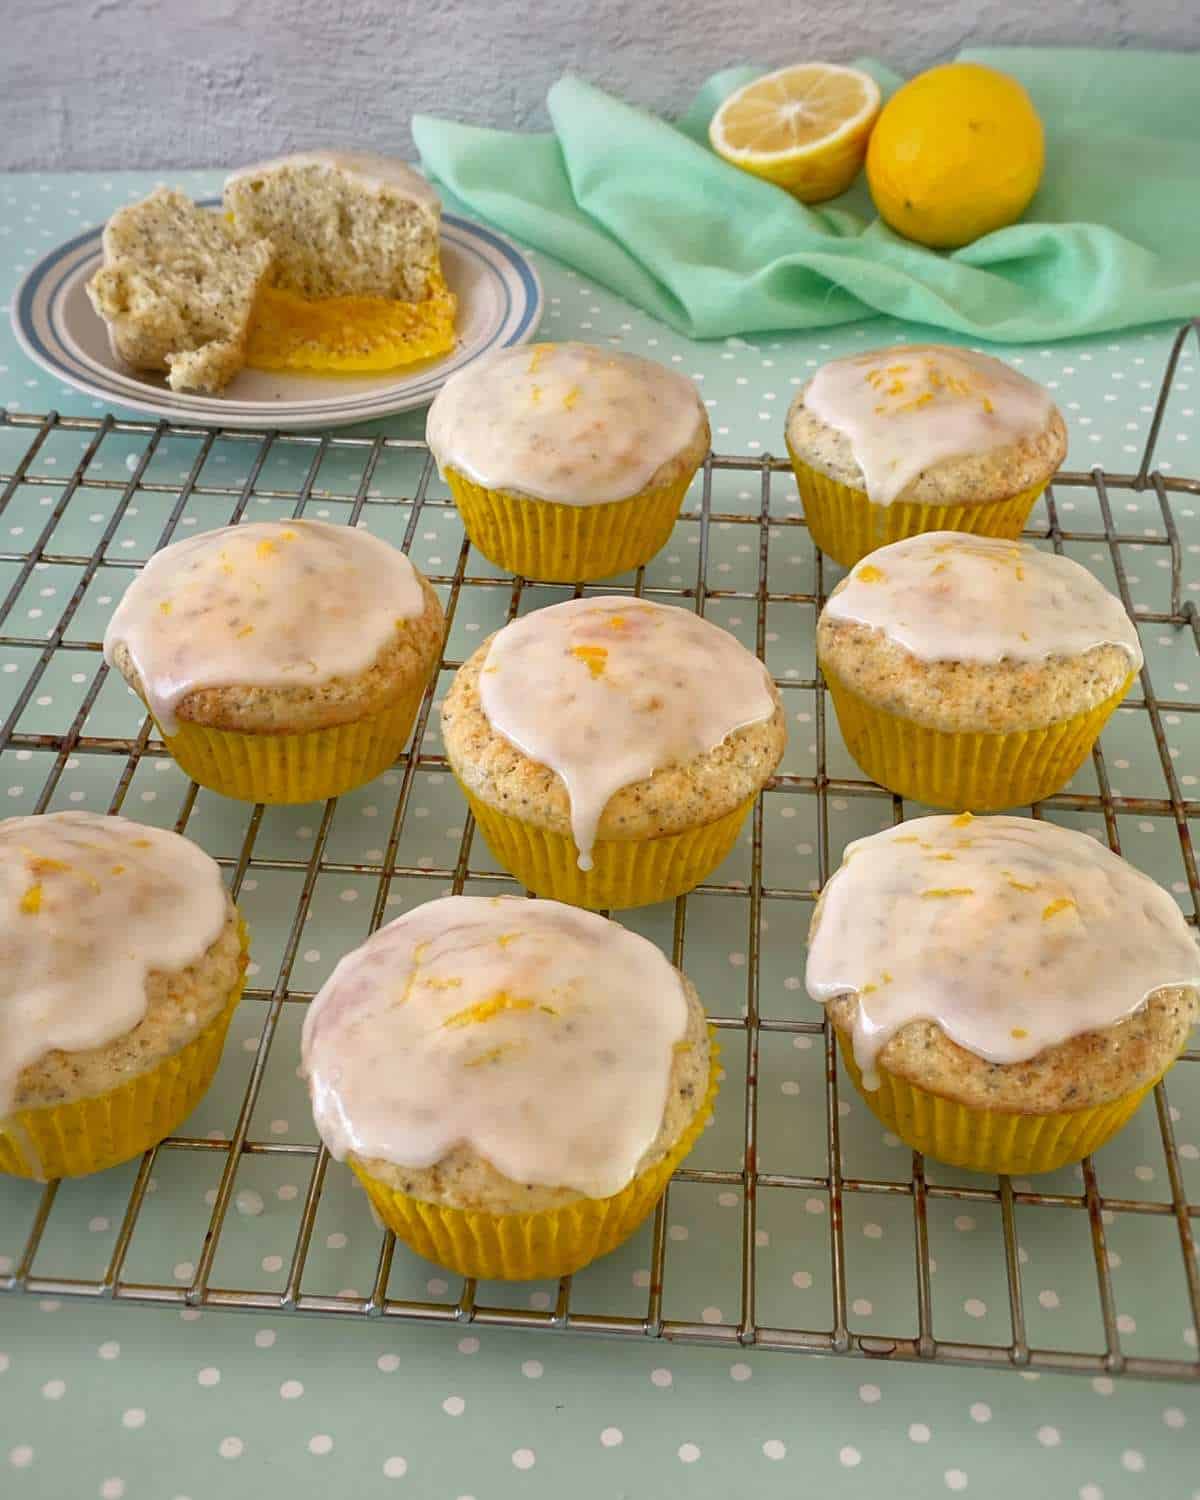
[[1004, 991], [283, 661], [566, 461], [522, 1110], [611, 748], [917, 438], [969, 672], [123, 960]]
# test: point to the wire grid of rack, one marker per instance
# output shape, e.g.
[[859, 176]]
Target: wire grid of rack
[[747, 1176]]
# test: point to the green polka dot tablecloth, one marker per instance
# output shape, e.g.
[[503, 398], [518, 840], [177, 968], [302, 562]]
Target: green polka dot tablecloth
[[104, 1399]]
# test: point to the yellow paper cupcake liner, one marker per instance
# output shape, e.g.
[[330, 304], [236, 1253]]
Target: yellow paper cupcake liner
[[976, 772], [304, 767], [91, 1135], [528, 1247], [846, 525], [624, 873], [989, 1141], [567, 543]]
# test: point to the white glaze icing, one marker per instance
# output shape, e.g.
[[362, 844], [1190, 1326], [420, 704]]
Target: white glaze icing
[[89, 905], [907, 408], [265, 604], [607, 691], [946, 596], [375, 173], [538, 1035], [1012, 934], [565, 422]]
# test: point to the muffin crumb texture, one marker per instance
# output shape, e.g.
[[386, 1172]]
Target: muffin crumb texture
[[177, 290]]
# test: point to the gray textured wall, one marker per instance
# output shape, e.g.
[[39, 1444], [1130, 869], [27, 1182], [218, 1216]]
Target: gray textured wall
[[162, 83]]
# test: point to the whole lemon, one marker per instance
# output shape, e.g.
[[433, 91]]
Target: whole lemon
[[957, 152]]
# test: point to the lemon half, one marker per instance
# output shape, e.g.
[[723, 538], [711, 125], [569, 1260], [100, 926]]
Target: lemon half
[[804, 128]]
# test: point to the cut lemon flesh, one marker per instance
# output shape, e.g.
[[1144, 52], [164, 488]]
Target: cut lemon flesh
[[804, 128], [348, 335]]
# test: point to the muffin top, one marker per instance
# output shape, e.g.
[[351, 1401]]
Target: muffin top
[[884, 420], [269, 604], [539, 1036], [370, 172], [949, 596], [607, 691], [1013, 935], [90, 906], [568, 422]]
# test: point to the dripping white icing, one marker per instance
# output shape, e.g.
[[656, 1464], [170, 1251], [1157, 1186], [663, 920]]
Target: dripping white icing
[[565, 422], [1012, 934], [540, 1036], [607, 691], [907, 408], [266, 604], [948, 596], [89, 905]]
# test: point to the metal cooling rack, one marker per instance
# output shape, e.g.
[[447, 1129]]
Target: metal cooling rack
[[228, 503]]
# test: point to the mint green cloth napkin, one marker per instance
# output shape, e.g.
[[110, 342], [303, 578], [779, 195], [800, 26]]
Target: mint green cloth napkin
[[1111, 240]]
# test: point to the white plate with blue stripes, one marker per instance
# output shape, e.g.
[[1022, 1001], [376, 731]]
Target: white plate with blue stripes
[[499, 304]]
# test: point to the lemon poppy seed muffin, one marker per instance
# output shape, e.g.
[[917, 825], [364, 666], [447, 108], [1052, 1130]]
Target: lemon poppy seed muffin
[[522, 1111], [282, 661], [178, 290], [970, 672], [919, 437], [1004, 991], [568, 461], [121, 960], [611, 748]]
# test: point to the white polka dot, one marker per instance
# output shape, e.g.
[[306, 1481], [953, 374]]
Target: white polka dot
[[862, 1307], [320, 1444], [1102, 1385], [210, 1375], [974, 1308], [288, 1190], [612, 1437], [541, 1299], [279, 1127], [727, 1200], [1090, 1492], [641, 1278], [112, 1489], [264, 1338], [965, 1223], [1126, 1323], [184, 1271], [134, 1418], [524, 1458], [54, 1390], [21, 1456], [336, 1241], [1132, 1460], [533, 1369], [469, 1345], [1173, 1417], [1144, 1173], [980, 1411], [773, 1448], [802, 1279], [869, 1394], [740, 1372], [688, 1453], [272, 1262], [1048, 1298], [955, 1479], [918, 1432], [248, 1203], [849, 1457], [814, 1205], [388, 1363], [661, 1378], [395, 1468], [291, 1390], [98, 1225], [109, 1350], [454, 1406], [873, 1231], [1049, 1437]]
